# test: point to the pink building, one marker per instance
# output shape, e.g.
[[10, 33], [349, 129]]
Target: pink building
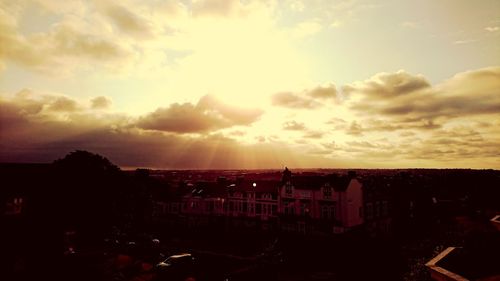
[[298, 203], [333, 201]]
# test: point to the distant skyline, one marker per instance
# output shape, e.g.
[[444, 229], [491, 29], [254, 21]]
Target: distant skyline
[[227, 84]]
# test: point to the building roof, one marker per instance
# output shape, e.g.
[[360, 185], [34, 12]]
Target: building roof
[[205, 189], [258, 186], [315, 182]]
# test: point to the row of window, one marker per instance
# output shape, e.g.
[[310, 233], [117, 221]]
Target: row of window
[[251, 195], [327, 190], [376, 209], [210, 206]]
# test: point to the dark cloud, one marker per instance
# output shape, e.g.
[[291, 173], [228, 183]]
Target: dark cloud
[[129, 147], [101, 102], [291, 100], [294, 126], [208, 114]]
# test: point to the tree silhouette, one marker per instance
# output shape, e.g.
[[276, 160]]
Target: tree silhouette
[[86, 189], [86, 162]]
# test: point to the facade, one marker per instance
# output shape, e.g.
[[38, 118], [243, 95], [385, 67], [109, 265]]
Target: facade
[[297, 203]]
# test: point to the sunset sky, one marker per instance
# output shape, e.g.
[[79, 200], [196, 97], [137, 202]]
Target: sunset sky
[[252, 83]]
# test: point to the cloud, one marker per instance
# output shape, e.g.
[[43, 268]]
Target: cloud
[[220, 8], [492, 28], [128, 22], [387, 85], [456, 144], [49, 118], [291, 100], [408, 101], [129, 146], [407, 134], [29, 103], [69, 43], [209, 114], [101, 102], [464, 41], [307, 99], [354, 129], [314, 135], [338, 123], [294, 126], [323, 92], [59, 48], [63, 104]]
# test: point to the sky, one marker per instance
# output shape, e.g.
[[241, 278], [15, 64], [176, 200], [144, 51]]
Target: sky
[[227, 84]]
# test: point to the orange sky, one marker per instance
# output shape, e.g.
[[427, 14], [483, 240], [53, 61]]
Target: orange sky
[[252, 84]]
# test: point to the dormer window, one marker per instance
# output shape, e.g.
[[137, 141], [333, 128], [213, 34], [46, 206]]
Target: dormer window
[[288, 188], [327, 191], [266, 196]]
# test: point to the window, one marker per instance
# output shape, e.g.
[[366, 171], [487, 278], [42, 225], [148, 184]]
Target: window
[[258, 208], [209, 206], [327, 192], [175, 208], [301, 227], [328, 212], [288, 188], [289, 208], [385, 208], [369, 210], [324, 212], [251, 208]]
